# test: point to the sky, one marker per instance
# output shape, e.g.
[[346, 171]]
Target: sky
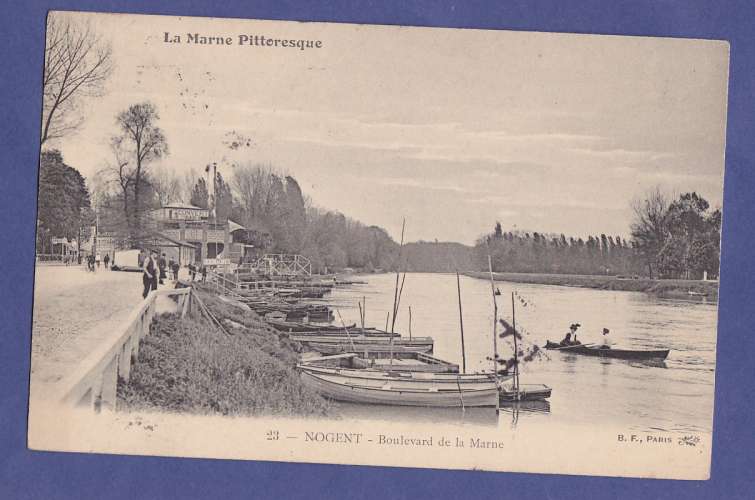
[[450, 129]]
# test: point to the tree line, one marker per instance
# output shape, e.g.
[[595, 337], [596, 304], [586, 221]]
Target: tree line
[[677, 238]]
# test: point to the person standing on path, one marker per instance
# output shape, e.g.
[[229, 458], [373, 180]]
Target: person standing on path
[[149, 276], [98, 259], [106, 260], [162, 265], [176, 267]]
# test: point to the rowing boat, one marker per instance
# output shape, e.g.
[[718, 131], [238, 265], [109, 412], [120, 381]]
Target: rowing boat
[[299, 328], [406, 361], [369, 349], [358, 342], [526, 392], [402, 388], [608, 352]]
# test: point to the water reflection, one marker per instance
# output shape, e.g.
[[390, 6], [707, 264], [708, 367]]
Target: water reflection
[[517, 408], [454, 416]]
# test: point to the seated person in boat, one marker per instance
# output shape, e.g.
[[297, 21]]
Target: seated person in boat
[[571, 336], [606, 344]]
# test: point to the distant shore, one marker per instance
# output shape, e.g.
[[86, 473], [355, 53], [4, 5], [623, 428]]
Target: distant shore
[[671, 288]]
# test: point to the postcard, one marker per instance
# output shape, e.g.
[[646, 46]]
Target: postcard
[[378, 245]]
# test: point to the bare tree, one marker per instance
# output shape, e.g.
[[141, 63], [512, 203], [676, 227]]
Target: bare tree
[[77, 64], [145, 142], [187, 182], [167, 184], [115, 181], [650, 225]]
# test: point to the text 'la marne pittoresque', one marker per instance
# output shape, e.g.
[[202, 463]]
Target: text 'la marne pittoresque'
[[248, 40]]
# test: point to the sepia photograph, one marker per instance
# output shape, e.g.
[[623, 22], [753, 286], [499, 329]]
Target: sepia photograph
[[378, 245]]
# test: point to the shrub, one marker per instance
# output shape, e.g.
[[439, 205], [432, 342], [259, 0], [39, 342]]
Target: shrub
[[189, 365]]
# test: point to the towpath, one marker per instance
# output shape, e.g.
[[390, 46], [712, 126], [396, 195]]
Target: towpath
[[73, 311]]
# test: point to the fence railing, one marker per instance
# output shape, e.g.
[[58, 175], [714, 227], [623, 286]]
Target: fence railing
[[94, 383], [279, 265], [224, 285]]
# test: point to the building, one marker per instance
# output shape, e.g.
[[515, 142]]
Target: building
[[190, 227]]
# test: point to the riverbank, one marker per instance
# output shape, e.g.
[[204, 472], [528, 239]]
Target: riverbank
[[671, 289], [188, 365]]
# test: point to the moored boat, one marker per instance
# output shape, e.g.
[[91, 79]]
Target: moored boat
[[525, 392], [407, 361], [608, 352], [372, 350], [358, 342], [402, 388]]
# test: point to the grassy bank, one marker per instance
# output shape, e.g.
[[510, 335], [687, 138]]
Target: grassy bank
[[187, 365], [678, 289]]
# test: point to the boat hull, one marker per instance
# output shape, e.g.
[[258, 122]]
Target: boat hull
[[428, 396], [610, 353], [527, 392], [369, 350]]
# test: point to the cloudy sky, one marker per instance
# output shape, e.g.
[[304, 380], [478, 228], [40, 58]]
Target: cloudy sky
[[453, 129]]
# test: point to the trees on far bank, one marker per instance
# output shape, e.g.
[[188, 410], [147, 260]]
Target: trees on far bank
[[677, 238], [649, 227], [692, 245]]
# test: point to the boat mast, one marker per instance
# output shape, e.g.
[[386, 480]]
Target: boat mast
[[461, 327], [395, 291], [495, 336], [516, 349], [410, 322]]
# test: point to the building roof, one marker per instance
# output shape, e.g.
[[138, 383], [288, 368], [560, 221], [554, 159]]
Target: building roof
[[179, 204], [156, 235], [234, 226]]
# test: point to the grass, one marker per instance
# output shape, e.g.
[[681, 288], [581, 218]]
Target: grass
[[671, 288], [187, 365]]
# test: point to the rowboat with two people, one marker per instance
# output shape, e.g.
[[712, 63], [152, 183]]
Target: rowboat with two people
[[571, 345], [608, 352]]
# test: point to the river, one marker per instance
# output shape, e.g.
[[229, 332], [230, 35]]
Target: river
[[673, 396]]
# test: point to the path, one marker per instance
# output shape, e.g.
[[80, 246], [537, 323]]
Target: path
[[73, 311]]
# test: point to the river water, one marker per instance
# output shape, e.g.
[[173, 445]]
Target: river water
[[672, 396]]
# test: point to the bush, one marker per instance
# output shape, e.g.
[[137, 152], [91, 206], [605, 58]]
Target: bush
[[189, 365]]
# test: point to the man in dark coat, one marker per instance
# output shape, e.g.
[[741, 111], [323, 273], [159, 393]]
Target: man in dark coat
[[163, 265], [150, 271]]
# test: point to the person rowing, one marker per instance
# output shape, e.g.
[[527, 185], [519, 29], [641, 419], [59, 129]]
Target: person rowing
[[606, 344], [571, 336]]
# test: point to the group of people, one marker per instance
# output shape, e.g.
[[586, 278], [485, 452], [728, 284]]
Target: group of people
[[571, 337], [93, 261], [155, 269]]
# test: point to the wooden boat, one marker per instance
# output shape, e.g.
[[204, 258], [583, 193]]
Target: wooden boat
[[527, 392], [358, 341], [402, 388], [293, 326], [369, 349], [609, 352], [314, 329], [355, 332], [408, 361]]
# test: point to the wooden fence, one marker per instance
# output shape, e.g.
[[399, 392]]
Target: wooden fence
[[94, 383]]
